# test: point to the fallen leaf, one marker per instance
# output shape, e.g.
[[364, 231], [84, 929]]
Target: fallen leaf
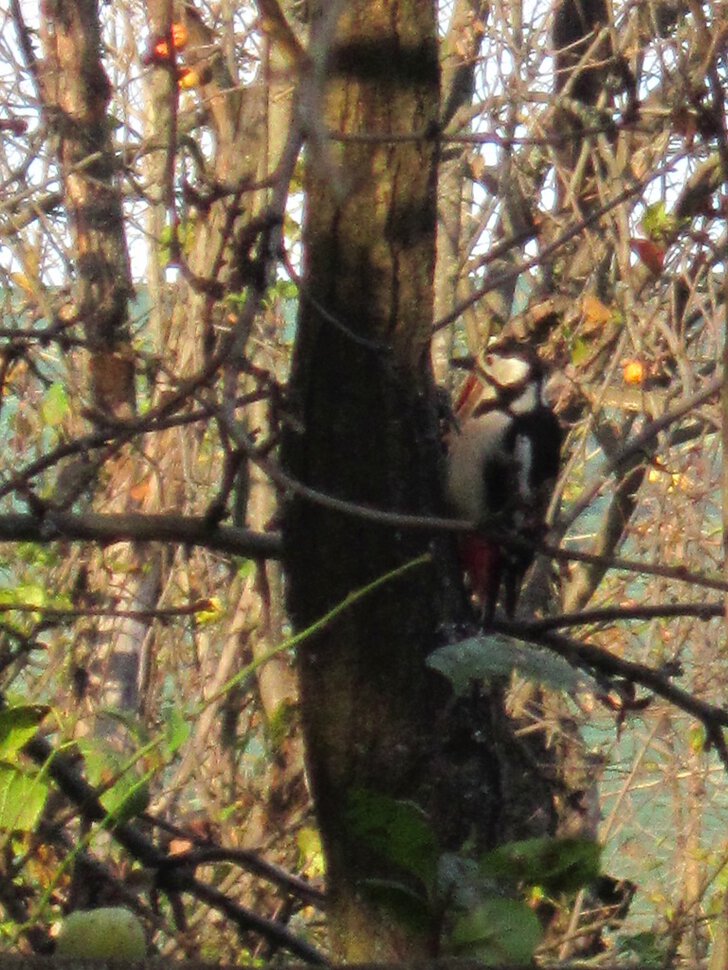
[[652, 255], [595, 312], [141, 489], [18, 126]]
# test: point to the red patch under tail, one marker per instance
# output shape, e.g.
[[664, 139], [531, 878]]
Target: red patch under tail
[[482, 561]]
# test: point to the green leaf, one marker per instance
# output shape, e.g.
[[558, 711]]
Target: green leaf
[[649, 948], [657, 223], [17, 726], [124, 790], [406, 906], [497, 655], [497, 932], [22, 799], [133, 725], [37, 554], [282, 290], [311, 860], [26, 594], [460, 883], [213, 612], [246, 568], [280, 723], [176, 729], [558, 865], [187, 235], [54, 406], [697, 737], [30, 594], [182, 235], [581, 351], [127, 798], [398, 831]]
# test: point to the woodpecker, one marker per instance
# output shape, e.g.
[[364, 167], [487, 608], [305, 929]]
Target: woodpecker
[[503, 460]]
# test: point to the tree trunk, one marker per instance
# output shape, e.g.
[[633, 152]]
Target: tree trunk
[[363, 385], [365, 431], [76, 93]]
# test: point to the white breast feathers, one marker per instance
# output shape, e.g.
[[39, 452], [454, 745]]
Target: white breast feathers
[[477, 446]]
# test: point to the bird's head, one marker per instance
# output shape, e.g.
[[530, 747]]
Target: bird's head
[[515, 375]]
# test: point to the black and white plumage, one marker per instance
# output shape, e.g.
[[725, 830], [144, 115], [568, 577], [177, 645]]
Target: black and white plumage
[[503, 460]]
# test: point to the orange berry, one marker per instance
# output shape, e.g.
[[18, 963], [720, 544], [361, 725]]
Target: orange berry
[[160, 52], [187, 79], [180, 36], [633, 372]]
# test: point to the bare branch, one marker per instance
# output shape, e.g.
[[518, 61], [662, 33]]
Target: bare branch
[[107, 529]]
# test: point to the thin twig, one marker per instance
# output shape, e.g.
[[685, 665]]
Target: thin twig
[[590, 658], [619, 614]]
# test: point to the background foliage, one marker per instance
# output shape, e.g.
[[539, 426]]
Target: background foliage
[[150, 263]]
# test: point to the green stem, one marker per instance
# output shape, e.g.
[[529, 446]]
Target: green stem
[[297, 638]]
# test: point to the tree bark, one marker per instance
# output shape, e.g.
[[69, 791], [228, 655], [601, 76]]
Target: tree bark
[[363, 386], [365, 430], [76, 92]]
